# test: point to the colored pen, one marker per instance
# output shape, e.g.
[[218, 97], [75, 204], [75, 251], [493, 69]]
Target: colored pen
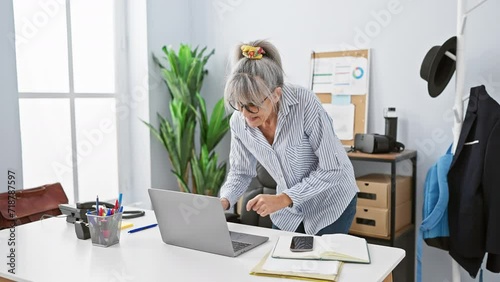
[[142, 228], [97, 205], [120, 199]]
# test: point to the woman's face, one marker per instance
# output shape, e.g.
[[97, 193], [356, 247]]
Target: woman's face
[[256, 116], [257, 119]]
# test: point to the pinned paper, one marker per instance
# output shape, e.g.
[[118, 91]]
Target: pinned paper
[[345, 75], [343, 120], [350, 76], [323, 75], [341, 99]]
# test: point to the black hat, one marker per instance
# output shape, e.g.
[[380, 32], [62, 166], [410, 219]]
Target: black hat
[[437, 68]]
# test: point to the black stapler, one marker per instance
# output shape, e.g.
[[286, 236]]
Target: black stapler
[[78, 212]]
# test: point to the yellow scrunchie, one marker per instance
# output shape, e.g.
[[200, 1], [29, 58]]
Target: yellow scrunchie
[[251, 52]]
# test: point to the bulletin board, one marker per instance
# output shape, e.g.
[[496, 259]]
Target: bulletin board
[[340, 79]]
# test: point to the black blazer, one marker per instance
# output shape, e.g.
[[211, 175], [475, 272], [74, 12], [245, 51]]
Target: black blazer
[[474, 186]]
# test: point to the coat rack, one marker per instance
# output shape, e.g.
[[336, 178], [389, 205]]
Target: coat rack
[[438, 67], [458, 108]]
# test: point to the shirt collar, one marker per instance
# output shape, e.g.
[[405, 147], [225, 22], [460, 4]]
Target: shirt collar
[[288, 98]]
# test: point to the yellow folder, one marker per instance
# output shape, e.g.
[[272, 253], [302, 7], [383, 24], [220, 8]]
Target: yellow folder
[[259, 271]]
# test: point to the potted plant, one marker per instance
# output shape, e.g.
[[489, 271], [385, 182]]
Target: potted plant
[[184, 77]]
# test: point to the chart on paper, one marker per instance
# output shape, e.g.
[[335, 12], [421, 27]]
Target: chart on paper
[[340, 75], [340, 79]]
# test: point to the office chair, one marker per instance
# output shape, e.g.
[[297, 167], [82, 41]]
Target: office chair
[[263, 183]]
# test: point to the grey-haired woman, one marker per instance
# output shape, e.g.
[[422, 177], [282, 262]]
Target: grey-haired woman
[[285, 128]]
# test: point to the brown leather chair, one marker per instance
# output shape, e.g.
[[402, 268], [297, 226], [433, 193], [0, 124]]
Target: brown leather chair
[[263, 183]]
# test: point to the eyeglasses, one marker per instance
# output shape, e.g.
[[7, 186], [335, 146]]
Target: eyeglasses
[[250, 107]]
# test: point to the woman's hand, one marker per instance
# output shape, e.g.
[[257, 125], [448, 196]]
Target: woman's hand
[[225, 203], [267, 204]]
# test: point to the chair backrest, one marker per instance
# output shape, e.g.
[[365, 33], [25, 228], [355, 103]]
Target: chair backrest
[[263, 183]]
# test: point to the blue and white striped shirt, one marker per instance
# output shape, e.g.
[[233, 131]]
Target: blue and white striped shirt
[[307, 161]]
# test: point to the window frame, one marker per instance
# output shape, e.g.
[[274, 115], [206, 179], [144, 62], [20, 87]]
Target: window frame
[[120, 95]]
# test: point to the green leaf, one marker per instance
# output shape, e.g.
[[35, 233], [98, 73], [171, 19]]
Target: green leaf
[[218, 126], [202, 116], [185, 60], [172, 59], [158, 62], [182, 182]]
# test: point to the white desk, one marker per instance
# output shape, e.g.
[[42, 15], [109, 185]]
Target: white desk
[[49, 251]]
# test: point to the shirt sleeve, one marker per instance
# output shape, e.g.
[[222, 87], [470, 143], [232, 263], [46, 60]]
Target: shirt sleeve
[[326, 146], [242, 168]]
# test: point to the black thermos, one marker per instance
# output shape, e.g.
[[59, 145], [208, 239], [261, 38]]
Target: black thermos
[[391, 122]]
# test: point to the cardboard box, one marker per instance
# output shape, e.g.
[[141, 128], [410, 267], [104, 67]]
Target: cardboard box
[[371, 221], [375, 190]]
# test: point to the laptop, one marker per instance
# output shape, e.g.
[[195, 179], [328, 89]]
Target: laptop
[[198, 222]]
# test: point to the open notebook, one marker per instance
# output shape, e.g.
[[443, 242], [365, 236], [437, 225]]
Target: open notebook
[[340, 247]]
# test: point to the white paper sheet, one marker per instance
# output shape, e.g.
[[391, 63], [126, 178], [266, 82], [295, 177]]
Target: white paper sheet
[[323, 75], [326, 267], [343, 120], [341, 75], [350, 76]]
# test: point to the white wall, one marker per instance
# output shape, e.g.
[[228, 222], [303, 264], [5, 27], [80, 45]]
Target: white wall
[[399, 34], [168, 23], [137, 105], [10, 136]]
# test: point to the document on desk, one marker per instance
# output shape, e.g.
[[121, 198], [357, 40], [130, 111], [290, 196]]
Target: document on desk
[[341, 247], [326, 267], [298, 269]]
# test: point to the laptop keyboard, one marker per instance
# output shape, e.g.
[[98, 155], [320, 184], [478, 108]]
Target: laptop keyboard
[[239, 245]]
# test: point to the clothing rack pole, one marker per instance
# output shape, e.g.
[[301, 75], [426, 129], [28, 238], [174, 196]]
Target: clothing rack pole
[[458, 108]]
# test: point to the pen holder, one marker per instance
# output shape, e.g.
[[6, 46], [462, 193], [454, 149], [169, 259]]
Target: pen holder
[[104, 230]]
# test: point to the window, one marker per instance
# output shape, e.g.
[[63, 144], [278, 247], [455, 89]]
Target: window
[[67, 56]]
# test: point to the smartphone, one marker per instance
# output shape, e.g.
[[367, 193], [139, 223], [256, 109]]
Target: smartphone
[[302, 244]]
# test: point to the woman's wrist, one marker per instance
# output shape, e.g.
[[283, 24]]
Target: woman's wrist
[[286, 200], [225, 203]]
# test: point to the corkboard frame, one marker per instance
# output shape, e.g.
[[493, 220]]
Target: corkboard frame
[[360, 102]]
